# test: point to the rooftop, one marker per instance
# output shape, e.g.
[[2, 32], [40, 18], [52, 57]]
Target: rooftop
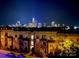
[[58, 29]]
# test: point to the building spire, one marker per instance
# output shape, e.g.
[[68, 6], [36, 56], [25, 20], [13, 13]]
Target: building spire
[[33, 20]]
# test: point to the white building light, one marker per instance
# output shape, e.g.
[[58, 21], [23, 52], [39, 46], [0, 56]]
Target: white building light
[[44, 24], [32, 37], [32, 24], [55, 25], [25, 25], [13, 25], [33, 20], [75, 27], [67, 28], [58, 25], [31, 47], [18, 23], [63, 24], [32, 43], [52, 23], [39, 25]]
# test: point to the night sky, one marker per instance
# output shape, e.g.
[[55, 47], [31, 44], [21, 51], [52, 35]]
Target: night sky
[[60, 11]]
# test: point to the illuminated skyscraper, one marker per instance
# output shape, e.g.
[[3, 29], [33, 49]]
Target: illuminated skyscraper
[[75, 27], [33, 20], [18, 24], [52, 24], [33, 23], [44, 24], [39, 25], [55, 25], [58, 25]]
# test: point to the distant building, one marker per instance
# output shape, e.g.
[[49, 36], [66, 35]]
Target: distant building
[[75, 27], [58, 25], [24, 25], [44, 24], [63, 25], [39, 25], [55, 25], [13, 25], [27, 38], [32, 24], [18, 24], [67, 28], [52, 24]]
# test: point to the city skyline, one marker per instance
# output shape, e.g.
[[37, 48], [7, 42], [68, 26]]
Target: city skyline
[[39, 28], [35, 24]]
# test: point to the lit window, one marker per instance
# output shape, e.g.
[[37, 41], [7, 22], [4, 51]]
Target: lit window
[[32, 37], [31, 46], [32, 42]]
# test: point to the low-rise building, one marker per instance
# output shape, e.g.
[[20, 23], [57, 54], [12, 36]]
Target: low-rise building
[[44, 39]]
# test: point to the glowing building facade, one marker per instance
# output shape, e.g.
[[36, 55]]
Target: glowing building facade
[[43, 40]]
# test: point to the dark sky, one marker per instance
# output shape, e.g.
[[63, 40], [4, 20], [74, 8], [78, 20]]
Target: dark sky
[[60, 11]]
